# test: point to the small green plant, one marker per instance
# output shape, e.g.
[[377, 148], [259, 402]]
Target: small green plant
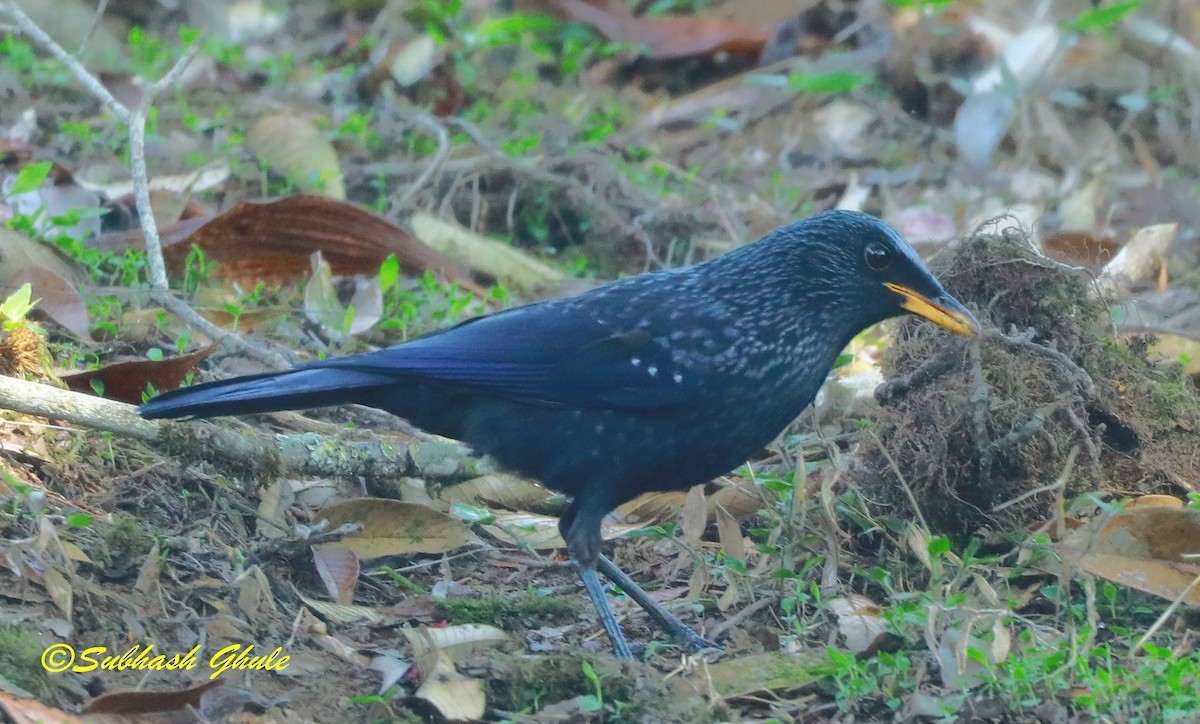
[[17, 307], [1104, 17]]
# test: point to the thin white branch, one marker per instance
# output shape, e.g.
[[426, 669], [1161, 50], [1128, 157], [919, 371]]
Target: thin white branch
[[137, 163], [135, 120], [93, 84], [435, 127], [101, 8]]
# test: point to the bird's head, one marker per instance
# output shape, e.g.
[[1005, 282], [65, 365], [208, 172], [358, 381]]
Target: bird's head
[[866, 271]]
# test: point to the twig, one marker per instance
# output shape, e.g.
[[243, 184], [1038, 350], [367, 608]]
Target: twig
[[1055, 487], [1026, 343], [432, 125], [137, 163], [932, 368], [1161, 620], [135, 121], [912, 499], [243, 452], [736, 619], [100, 9], [91, 82]]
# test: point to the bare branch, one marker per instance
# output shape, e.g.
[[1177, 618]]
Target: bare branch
[[91, 82], [101, 8], [243, 451], [137, 163], [432, 125]]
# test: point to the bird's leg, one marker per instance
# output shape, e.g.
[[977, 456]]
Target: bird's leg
[[580, 528], [680, 632]]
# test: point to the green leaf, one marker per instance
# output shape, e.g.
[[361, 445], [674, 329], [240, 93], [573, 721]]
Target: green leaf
[[826, 82], [589, 703], [842, 360], [1103, 17], [155, 354], [939, 545], [79, 520], [472, 514], [31, 177], [18, 304]]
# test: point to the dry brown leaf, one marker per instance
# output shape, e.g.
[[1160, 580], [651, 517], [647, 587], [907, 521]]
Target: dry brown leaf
[[32, 711], [270, 520], [1080, 248], [125, 381], [740, 498], [254, 595], [59, 589], [338, 569], [694, 518], [392, 527], [456, 697], [54, 278], [298, 151], [273, 242], [499, 490], [344, 613], [540, 532], [859, 620], [1151, 548], [148, 702], [729, 533], [672, 36]]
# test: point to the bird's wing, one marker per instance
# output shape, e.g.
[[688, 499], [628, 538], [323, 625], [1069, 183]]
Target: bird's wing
[[546, 354]]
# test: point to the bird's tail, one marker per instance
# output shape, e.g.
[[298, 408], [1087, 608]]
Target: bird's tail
[[270, 392]]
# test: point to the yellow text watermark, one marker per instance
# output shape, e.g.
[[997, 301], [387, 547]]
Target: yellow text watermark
[[58, 658]]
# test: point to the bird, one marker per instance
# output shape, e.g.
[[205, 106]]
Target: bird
[[655, 382]]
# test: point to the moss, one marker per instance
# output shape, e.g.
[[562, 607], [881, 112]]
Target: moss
[[126, 539], [1000, 421], [630, 691], [21, 662], [510, 612]]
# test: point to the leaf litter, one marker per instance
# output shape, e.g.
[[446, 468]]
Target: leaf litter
[[723, 122]]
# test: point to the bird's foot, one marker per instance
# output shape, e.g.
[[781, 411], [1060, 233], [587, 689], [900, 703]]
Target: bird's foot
[[685, 638]]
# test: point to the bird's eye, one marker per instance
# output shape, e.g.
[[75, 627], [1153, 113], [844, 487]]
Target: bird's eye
[[878, 256]]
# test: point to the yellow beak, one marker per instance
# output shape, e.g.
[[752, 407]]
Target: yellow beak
[[945, 312]]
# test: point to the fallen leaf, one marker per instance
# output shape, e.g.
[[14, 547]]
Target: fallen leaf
[[125, 381], [456, 697], [31, 711], [322, 305], [98, 178], [498, 490], [1148, 547], [540, 532], [338, 569], [776, 673], [345, 613], [503, 261], [729, 533], [55, 280], [1138, 259], [392, 527], [860, 621], [669, 36], [148, 702], [272, 241], [299, 151]]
